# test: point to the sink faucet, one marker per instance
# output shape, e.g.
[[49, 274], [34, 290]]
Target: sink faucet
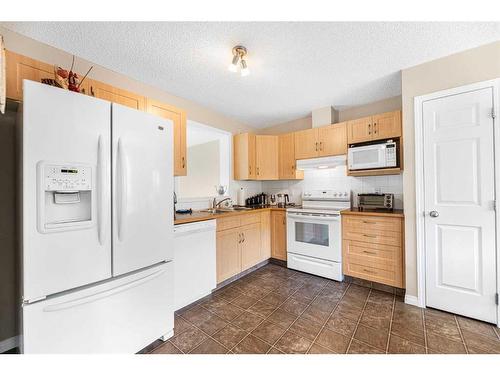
[[216, 205]]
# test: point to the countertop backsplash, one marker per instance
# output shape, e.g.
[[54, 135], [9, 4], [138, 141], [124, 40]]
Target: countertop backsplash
[[336, 179]]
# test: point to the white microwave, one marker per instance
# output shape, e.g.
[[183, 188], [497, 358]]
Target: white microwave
[[379, 155]]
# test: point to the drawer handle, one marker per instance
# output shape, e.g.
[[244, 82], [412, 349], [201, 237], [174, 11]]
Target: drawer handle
[[370, 252], [369, 222], [369, 271], [370, 235]]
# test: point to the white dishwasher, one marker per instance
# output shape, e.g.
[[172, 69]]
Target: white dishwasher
[[194, 261]]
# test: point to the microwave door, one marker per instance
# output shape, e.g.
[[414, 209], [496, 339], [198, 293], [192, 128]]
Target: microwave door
[[367, 157]]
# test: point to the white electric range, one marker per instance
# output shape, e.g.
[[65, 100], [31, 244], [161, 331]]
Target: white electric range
[[314, 236]]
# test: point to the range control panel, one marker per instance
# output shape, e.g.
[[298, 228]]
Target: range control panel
[[67, 178]]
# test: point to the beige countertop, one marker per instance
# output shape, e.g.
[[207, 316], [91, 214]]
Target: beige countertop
[[355, 211], [202, 216]]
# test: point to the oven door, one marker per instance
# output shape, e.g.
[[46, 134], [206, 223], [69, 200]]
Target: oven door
[[367, 157], [314, 235]]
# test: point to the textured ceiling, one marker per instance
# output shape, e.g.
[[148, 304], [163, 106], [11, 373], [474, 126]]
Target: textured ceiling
[[295, 66]]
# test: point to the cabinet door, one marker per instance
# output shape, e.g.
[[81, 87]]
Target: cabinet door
[[286, 156], [359, 130], [266, 155], [19, 67], [333, 139], [115, 95], [178, 117], [250, 245], [387, 125], [228, 254], [278, 235], [244, 157], [265, 235], [306, 144]]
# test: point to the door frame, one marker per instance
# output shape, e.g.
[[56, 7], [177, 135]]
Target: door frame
[[420, 298]]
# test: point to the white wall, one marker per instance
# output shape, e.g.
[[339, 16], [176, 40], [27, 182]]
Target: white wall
[[336, 179]]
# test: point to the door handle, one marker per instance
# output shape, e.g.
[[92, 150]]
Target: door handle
[[433, 214], [249, 169], [183, 162], [121, 176], [101, 185], [316, 143], [321, 146], [374, 128], [239, 237]]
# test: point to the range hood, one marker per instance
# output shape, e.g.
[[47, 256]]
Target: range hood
[[322, 163]]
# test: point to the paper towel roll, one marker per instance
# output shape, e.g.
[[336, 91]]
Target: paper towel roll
[[242, 196]]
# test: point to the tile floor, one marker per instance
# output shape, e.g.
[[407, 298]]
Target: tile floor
[[275, 310]]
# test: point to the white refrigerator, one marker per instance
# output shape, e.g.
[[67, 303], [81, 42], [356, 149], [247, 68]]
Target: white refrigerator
[[97, 224]]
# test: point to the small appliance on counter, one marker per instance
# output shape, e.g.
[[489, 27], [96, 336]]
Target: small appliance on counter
[[376, 202], [261, 199]]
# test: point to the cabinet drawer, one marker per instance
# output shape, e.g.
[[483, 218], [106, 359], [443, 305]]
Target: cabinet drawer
[[224, 223], [361, 223], [372, 236], [372, 250], [373, 274], [250, 219]]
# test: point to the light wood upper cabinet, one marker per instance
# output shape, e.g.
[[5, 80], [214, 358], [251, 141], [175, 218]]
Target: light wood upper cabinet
[[387, 125], [19, 67], [228, 254], [306, 144], [333, 139], [380, 126], [266, 156], [286, 158], [116, 95], [359, 130], [178, 117], [250, 245], [327, 140], [278, 235], [244, 157]]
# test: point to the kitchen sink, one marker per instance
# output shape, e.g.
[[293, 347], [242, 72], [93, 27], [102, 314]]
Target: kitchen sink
[[226, 209]]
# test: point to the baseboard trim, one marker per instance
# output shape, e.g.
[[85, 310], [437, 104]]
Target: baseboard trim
[[412, 300], [10, 343]]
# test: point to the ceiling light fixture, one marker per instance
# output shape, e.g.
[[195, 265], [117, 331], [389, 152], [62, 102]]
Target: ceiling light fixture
[[239, 56]]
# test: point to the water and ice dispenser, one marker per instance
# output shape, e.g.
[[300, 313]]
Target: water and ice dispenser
[[64, 196]]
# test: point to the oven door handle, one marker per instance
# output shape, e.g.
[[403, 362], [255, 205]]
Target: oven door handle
[[315, 217]]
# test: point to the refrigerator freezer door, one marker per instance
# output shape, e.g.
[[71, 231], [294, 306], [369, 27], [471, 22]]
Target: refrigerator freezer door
[[122, 315], [66, 239], [142, 189]]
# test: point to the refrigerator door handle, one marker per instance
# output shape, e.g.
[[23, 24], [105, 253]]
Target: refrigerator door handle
[[121, 189], [102, 294], [101, 170]]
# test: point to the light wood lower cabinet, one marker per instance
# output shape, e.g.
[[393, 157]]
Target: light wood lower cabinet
[[278, 235], [250, 245], [228, 253], [372, 248], [265, 235], [245, 240]]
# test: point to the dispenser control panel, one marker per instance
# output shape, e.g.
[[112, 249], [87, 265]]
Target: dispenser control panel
[[67, 178]]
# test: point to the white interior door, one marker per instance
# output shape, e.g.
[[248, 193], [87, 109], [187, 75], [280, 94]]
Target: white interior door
[[142, 189], [459, 184]]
